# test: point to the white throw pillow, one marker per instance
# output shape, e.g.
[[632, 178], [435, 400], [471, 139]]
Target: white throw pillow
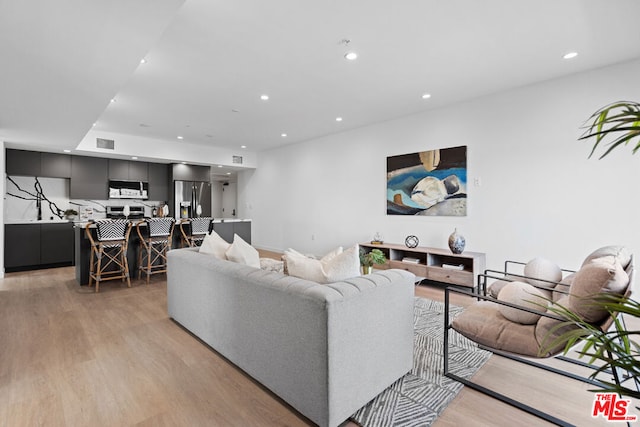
[[303, 267], [335, 266], [341, 266], [243, 253], [214, 245], [523, 295]]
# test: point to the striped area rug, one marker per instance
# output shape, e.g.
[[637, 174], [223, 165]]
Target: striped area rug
[[420, 396]]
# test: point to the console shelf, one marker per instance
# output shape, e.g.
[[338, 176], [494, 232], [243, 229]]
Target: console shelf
[[440, 265]]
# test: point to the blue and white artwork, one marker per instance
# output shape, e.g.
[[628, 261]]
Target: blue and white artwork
[[430, 183]]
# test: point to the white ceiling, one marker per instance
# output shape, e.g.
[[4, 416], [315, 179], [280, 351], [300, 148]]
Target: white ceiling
[[62, 62]]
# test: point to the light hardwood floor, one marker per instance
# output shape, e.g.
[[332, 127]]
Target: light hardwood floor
[[71, 357]]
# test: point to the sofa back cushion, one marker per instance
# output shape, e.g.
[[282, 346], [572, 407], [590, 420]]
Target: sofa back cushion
[[621, 253]]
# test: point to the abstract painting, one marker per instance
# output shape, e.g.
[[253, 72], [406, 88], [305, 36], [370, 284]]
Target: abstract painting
[[432, 183]]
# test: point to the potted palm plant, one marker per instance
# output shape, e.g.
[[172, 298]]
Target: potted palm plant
[[619, 120], [368, 259]]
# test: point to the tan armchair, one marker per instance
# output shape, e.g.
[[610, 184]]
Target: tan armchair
[[515, 322]]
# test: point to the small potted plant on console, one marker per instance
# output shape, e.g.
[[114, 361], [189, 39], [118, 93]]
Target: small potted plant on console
[[368, 259]]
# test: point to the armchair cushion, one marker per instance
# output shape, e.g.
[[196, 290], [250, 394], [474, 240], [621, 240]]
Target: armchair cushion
[[541, 268], [482, 322], [621, 253], [546, 336], [523, 295], [601, 275]]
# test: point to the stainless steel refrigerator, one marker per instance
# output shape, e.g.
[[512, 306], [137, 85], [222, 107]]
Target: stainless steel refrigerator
[[188, 196]]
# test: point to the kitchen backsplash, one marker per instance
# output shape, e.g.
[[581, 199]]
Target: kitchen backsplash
[[56, 190]]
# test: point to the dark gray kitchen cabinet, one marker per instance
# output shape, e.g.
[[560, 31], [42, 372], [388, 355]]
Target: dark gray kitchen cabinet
[[118, 169], [127, 170], [21, 246], [32, 246], [23, 163], [159, 182], [89, 178], [138, 171], [182, 172], [227, 229], [56, 243], [54, 165]]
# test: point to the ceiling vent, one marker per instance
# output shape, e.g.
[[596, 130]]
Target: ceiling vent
[[237, 160], [105, 143]]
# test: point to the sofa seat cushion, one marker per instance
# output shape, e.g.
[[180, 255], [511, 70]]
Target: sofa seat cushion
[[483, 323]]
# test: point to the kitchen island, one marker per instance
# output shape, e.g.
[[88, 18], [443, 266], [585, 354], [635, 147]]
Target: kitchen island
[[224, 227]]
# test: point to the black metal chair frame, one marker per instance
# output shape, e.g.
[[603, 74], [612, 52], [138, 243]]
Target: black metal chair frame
[[480, 295], [114, 252], [152, 254]]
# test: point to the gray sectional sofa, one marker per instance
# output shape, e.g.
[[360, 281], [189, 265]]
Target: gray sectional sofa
[[325, 349]]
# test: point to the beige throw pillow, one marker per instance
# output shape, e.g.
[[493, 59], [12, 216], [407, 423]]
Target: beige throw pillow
[[335, 266], [523, 295], [243, 253], [214, 245], [541, 268], [600, 275]]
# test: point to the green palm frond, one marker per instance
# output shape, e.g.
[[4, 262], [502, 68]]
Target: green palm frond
[[619, 120], [614, 348]]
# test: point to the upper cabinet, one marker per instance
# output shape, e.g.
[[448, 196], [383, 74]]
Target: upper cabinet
[[89, 178], [24, 163], [127, 170], [54, 165], [33, 163], [182, 172], [158, 182]]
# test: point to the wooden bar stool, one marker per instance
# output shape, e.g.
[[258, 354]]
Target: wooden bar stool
[[194, 230], [108, 259], [156, 235]]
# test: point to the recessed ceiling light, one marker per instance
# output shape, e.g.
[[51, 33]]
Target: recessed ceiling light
[[180, 137], [243, 146], [570, 55], [113, 100], [284, 135], [143, 61], [264, 97], [221, 166], [93, 124], [134, 157], [426, 95], [67, 151], [228, 173], [351, 56], [338, 119]]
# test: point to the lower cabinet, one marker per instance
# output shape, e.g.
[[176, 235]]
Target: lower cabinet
[[32, 246], [226, 230]]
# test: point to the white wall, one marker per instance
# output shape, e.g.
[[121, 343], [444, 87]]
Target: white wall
[[539, 194]]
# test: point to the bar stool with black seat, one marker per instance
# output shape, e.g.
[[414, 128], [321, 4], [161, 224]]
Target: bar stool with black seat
[[108, 259], [156, 235], [194, 229]]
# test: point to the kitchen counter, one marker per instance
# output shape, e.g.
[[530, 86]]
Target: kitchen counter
[[36, 221]]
